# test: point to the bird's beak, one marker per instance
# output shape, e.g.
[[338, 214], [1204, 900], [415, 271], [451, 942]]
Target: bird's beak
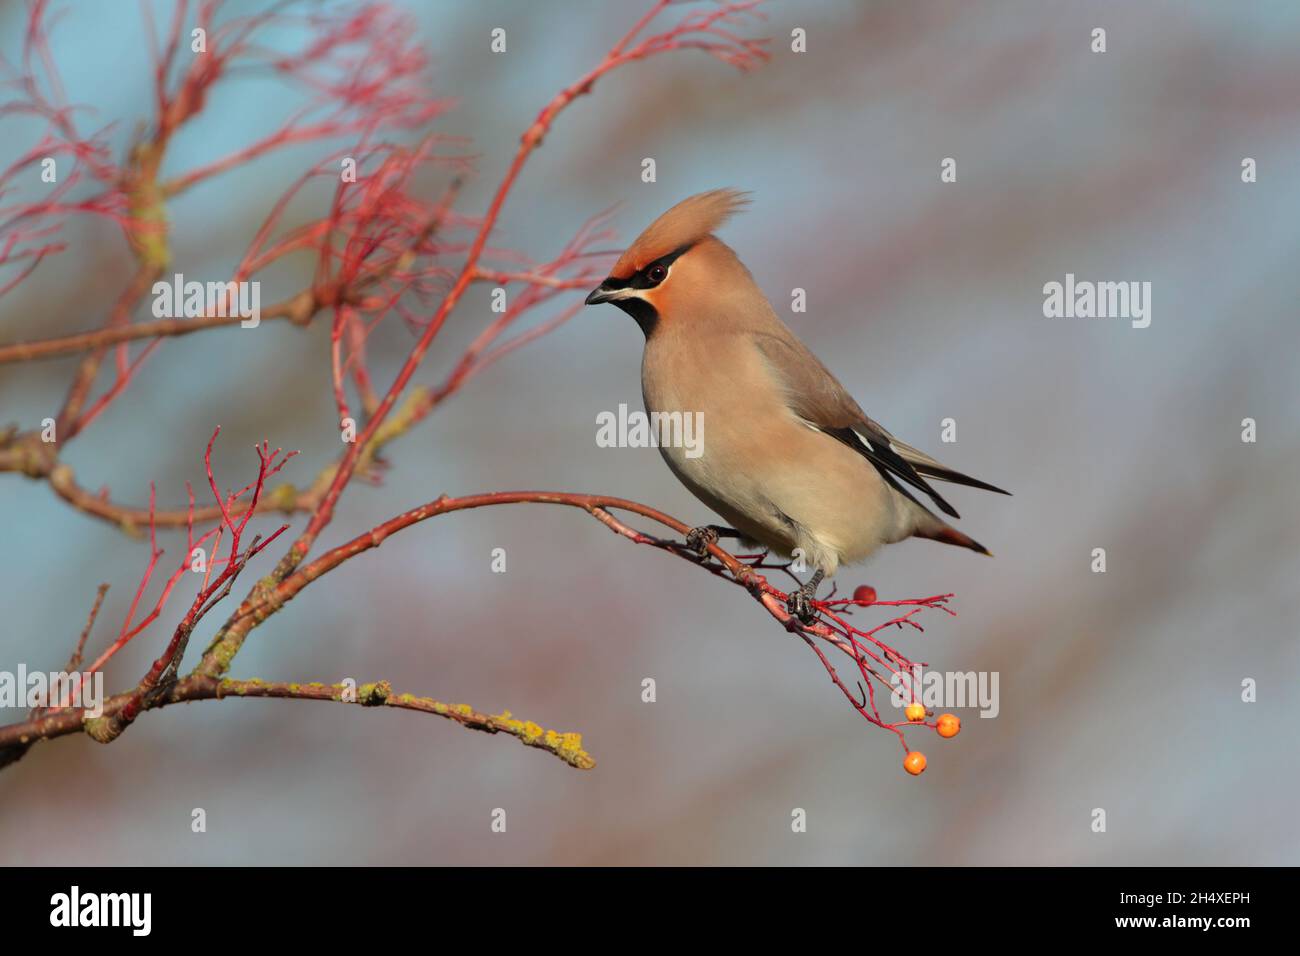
[[605, 292]]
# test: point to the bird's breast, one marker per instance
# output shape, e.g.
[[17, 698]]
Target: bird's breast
[[719, 387]]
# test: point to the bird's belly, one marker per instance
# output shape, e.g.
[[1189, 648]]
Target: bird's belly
[[735, 496], [790, 487]]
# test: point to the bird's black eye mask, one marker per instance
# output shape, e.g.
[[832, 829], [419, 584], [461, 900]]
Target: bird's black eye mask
[[650, 276], [647, 278]]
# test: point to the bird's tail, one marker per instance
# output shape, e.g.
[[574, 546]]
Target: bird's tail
[[950, 535]]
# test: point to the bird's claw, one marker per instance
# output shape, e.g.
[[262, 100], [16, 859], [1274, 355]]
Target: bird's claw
[[800, 601], [799, 604], [699, 539]]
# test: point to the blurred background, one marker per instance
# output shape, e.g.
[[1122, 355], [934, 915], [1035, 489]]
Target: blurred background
[[1119, 691]]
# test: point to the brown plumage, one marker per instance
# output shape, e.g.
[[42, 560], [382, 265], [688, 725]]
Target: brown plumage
[[788, 458]]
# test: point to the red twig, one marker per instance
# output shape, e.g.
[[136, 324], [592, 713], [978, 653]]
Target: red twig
[[269, 463], [164, 668]]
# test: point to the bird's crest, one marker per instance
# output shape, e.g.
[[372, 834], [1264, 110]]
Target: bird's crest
[[684, 225]]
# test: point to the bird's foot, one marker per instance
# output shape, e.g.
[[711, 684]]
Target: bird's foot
[[699, 539], [800, 606], [800, 601]]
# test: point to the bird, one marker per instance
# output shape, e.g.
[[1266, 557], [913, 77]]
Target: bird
[[788, 459]]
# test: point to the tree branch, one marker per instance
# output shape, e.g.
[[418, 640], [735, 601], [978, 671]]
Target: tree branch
[[17, 739]]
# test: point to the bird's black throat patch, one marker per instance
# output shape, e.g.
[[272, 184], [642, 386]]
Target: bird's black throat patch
[[645, 314]]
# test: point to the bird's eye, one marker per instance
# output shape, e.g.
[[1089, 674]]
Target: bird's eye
[[657, 273]]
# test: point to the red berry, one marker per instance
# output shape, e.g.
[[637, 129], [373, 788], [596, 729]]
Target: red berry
[[864, 592]]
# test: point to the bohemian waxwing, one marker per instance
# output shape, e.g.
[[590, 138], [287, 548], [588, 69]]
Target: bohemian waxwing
[[787, 457]]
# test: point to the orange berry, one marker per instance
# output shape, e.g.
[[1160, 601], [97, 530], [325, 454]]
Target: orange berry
[[864, 592], [949, 725], [914, 762], [915, 712]]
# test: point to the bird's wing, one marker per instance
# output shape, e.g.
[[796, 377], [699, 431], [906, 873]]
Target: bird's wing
[[815, 395], [927, 466]]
